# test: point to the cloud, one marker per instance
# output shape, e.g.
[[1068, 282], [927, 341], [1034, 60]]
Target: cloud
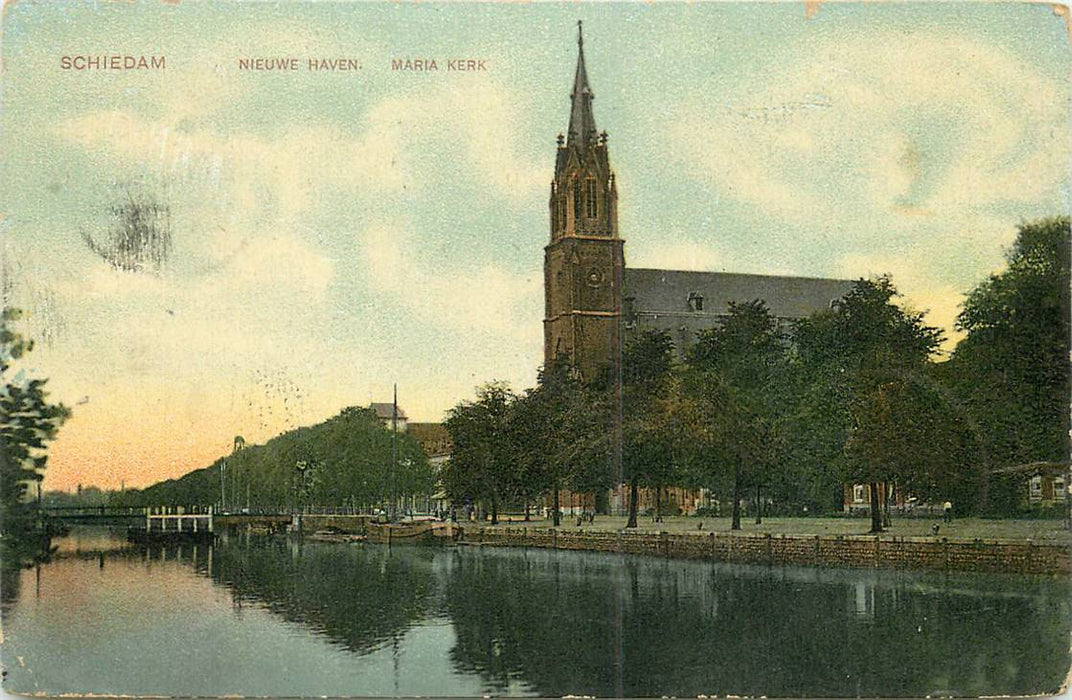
[[680, 255], [932, 123], [917, 159], [458, 297], [247, 173]]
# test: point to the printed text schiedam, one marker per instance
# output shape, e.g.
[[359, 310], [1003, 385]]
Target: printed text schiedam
[[83, 62]]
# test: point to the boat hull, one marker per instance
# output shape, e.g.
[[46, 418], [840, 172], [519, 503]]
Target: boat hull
[[410, 533]]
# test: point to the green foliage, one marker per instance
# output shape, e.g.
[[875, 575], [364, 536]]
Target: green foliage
[[27, 422], [482, 465], [731, 407], [345, 460], [1012, 367], [647, 391], [856, 364], [850, 394]]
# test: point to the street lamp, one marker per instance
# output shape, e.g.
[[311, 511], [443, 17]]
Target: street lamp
[[302, 466]]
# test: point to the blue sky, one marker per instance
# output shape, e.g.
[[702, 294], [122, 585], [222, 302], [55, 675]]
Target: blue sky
[[335, 233]]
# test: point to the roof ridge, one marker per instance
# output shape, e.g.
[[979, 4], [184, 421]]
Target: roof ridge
[[737, 274]]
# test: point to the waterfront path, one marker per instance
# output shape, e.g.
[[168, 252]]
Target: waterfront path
[[1040, 531]]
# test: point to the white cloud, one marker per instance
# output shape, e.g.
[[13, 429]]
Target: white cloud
[[679, 255], [463, 298], [917, 159], [930, 124]]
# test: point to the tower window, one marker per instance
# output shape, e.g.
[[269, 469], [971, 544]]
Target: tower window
[[576, 201], [590, 198], [562, 213]]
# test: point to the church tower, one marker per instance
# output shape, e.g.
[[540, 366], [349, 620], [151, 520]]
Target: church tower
[[584, 262]]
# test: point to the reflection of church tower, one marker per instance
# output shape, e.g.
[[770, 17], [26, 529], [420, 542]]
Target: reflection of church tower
[[583, 263]]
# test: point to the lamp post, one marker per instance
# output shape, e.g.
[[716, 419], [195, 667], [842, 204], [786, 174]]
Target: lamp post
[[302, 466]]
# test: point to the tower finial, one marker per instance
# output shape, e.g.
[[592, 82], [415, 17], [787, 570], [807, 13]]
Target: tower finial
[[582, 124]]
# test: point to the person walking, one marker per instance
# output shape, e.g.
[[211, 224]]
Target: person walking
[[947, 511]]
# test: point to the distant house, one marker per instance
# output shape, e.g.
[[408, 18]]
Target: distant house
[[384, 412], [435, 440], [1036, 484], [856, 498]]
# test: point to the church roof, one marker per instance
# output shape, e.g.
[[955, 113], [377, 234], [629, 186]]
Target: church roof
[[671, 291], [582, 123]]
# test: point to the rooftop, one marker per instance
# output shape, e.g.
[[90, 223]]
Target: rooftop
[[384, 411], [668, 291]]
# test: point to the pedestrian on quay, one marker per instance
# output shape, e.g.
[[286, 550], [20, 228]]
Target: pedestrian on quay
[[947, 511]]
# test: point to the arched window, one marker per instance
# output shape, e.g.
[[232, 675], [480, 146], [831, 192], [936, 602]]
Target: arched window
[[590, 198], [576, 201], [562, 213]]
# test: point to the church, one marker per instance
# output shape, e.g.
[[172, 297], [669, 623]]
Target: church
[[594, 303]]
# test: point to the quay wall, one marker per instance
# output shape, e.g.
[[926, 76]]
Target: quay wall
[[349, 524], [853, 551]]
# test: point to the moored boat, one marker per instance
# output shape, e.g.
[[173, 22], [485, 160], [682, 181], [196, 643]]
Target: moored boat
[[420, 532]]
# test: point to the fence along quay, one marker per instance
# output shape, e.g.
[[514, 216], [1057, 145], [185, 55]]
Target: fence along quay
[[849, 551]]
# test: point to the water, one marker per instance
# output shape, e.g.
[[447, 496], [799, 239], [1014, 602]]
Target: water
[[271, 617]]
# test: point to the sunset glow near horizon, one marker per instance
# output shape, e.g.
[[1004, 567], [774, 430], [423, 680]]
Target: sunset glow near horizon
[[337, 230]]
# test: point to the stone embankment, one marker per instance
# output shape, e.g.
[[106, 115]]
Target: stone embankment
[[860, 551]]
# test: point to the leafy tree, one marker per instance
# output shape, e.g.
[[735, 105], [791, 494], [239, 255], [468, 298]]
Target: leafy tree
[[647, 361], [550, 434], [732, 406], [1011, 370], [27, 422], [854, 352], [481, 466], [910, 425], [346, 459]]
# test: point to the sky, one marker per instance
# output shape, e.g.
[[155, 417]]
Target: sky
[[337, 232]]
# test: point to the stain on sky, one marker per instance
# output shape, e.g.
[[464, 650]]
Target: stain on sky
[[139, 237]]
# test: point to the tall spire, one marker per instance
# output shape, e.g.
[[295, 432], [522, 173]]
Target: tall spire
[[582, 124]]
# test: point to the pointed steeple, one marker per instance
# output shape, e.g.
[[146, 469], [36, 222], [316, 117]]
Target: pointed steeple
[[582, 124]]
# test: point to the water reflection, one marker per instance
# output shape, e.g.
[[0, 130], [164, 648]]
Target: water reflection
[[689, 629], [469, 620], [359, 597]]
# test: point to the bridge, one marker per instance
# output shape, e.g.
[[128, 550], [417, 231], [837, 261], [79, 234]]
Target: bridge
[[168, 519], [92, 515]]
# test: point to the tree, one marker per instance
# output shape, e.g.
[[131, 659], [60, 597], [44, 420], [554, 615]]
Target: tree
[[346, 460], [1011, 369], [559, 435], [481, 464], [855, 352], [647, 361], [730, 385], [27, 422]]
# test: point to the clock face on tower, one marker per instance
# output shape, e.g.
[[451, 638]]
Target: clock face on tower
[[594, 278]]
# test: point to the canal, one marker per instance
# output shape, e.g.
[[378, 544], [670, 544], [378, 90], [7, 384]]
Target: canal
[[275, 617]]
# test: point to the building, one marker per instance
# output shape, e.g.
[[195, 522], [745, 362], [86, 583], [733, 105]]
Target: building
[[1033, 485], [593, 302], [434, 439], [386, 413]]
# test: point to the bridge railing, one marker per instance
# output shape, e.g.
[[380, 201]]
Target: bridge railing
[[131, 511], [90, 511]]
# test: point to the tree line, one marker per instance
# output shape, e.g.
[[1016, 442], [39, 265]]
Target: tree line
[[345, 461], [786, 414]]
